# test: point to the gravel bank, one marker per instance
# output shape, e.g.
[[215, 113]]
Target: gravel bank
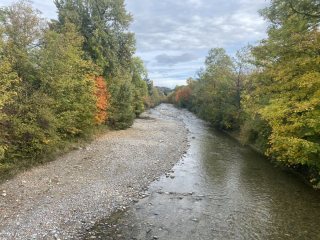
[[64, 198]]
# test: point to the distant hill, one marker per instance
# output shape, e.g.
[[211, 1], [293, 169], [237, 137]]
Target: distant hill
[[165, 90]]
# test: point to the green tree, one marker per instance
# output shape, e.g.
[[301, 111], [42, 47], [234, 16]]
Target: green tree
[[140, 90], [215, 93], [8, 89], [68, 80], [104, 25], [23, 29], [25, 130], [286, 88], [55, 98], [121, 113]]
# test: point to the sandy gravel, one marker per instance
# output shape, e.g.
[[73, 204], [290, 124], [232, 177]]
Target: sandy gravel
[[64, 198]]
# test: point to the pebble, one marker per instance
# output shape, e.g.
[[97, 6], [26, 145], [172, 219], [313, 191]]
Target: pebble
[[88, 188]]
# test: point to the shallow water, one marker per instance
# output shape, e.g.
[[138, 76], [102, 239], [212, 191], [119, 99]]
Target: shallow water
[[219, 190]]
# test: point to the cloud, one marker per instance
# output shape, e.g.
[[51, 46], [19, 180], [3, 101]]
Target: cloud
[[195, 3], [173, 60], [180, 33], [46, 7]]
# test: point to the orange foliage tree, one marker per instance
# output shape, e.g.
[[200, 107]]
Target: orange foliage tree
[[183, 96], [102, 103]]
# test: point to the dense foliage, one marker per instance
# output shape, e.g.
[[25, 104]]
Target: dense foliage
[[60, 79], [270, 93], [290, 80], [215, 95], [108, 43]]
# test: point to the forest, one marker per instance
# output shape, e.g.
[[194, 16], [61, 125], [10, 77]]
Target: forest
[[92, 148], [63, 79], [268, 94]]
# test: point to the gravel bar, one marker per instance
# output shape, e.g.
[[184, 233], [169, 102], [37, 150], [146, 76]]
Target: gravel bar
[[66, 197]]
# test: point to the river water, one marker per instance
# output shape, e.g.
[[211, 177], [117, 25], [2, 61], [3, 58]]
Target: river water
[[218, 190]]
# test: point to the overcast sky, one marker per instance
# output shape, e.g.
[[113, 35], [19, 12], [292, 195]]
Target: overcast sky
[[173, 37]]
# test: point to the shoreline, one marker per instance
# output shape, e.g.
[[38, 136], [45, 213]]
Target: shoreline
[[303, 177], [66, 197]]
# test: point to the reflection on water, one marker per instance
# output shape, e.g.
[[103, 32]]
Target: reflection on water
[[219, 190]]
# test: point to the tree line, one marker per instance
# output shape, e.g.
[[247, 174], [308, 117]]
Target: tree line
[[60, 79], [268, 94]]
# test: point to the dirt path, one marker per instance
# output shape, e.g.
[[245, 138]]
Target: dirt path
[[62, 199]]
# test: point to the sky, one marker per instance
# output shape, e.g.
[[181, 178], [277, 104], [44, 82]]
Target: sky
[[174, 36]]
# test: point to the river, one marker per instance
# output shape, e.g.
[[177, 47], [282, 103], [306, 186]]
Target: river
[[218, 190]]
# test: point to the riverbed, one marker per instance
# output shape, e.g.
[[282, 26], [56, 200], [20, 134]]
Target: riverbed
[[63, 199], [218, 190]]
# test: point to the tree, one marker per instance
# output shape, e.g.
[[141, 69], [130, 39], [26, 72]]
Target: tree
[[22, 29], [25, 128], [243, 68], [104, 25], [68, 80], [140, 90], [183, 95], [54, 98], [285, 92], [121, 114], [102, 103], [215, 92], [8, 89]]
